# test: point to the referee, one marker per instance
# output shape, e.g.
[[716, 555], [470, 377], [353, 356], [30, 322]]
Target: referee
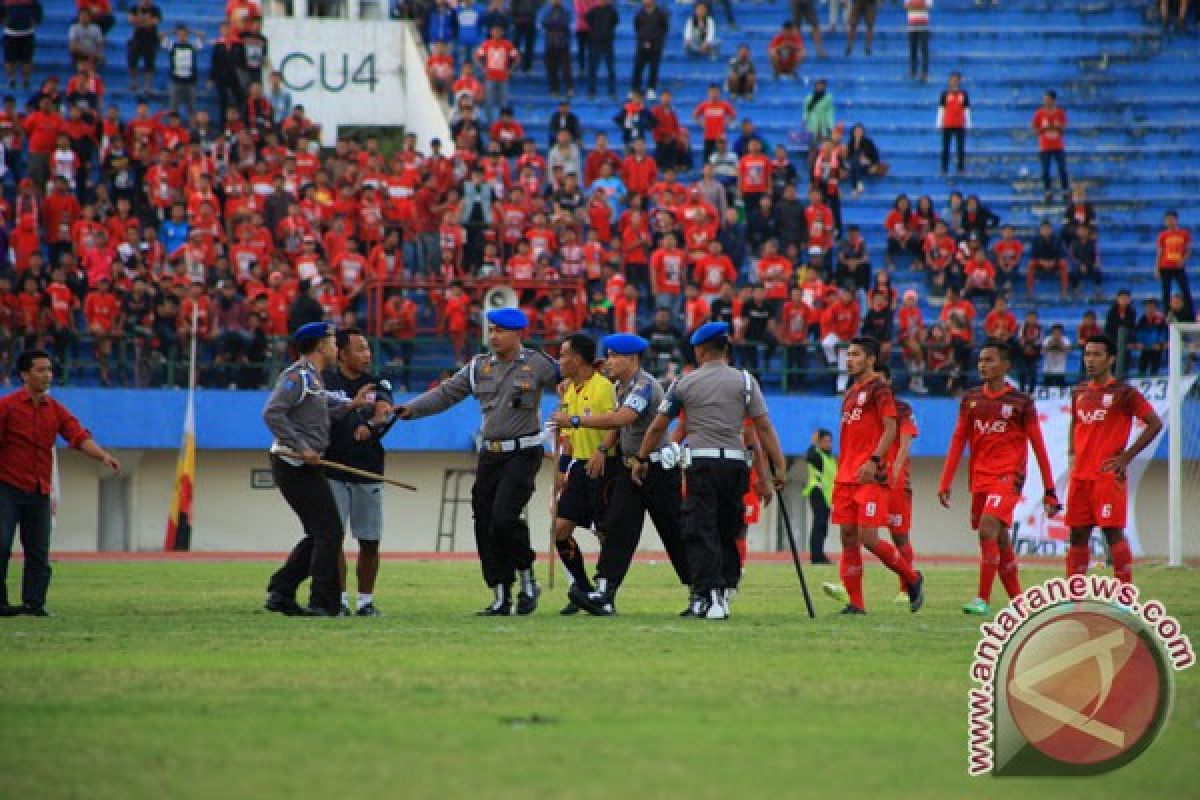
[[355, 440], [298, 414], [586, 469], [508, 383], [717, 398]]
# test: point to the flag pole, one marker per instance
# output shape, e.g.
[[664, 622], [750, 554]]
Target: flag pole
[[179, 519]]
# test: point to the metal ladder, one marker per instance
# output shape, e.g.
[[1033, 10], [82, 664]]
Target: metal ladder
[[448, 515]]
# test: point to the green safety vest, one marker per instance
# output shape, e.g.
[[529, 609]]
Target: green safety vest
[[824, 478]]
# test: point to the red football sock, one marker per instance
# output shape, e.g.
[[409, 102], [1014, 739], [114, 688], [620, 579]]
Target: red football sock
[[906, 552], [741, 548], [1078, 558], [989, 562], [1008, 571], [891, 558], [850, 568], [1122, 559]]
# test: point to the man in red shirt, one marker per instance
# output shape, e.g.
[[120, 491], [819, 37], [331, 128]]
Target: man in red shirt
[[954, 117], [497, 56], [795, 318], [900, 482], [30, 422], [639, 172], [754, 174], [999, 423], [786, 50], [101, 308], [1102, 413], [668, 269], [839, 324], [714, 116], [1050, 122], [42, 127], [1172, 249], [860, 490]]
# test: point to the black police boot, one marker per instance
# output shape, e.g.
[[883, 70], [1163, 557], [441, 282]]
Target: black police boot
[[501, 606], [696, 607], [527, 598], [598, 603], [281, 603], [9, 611]]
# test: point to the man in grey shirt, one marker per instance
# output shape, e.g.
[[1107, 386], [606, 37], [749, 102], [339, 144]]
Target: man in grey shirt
[[638, 397], [297, 414], [508, 384], [717, 398]]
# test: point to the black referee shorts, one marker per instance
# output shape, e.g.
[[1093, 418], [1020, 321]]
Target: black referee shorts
[[584, 500]]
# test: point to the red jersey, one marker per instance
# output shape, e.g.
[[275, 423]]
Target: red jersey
[[1008, 253], [1101, 419], [695, 313], [999, 428], [1001, 324], [1050, 125], [864, 408], [754, 173], [668, 268], [714, 116], [909, 321], [954, 107], [905, 424], [625, 315], [712, 271], [100, 309], [497, 56], [1173, 248], [775, 273], [795, 319]]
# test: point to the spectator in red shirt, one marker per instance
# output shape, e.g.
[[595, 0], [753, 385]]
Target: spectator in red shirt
[[101, 310], [954, 118], [1172, 249], [714, 116], [795, 319], [980, 277], [1050, 122], [1000, 324], [30, 422], [1008, 253], [42, 127], [786, 51], [839, 324], [496, 56]]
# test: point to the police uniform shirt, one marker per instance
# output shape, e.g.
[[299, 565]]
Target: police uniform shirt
[[643, 394], [343, 447], [298, 411], [595, 396], [509, 392], [715, 398]]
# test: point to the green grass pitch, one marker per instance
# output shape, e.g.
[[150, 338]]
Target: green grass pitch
[[166, 681]]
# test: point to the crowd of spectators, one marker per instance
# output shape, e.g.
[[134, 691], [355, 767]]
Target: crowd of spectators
[[127, 238]]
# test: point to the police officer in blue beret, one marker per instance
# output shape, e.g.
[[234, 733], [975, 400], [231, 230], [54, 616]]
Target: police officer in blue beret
[[298, 415], [508, 383], [638, 397], [716, 398]]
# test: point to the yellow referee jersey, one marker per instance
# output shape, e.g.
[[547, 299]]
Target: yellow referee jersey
[[596, 396]]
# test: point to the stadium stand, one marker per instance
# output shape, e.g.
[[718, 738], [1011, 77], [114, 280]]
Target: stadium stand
[[1131, 143]]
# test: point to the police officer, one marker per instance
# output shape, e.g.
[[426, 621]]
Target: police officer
[[297, 414], [716, 398], [356, 440], [638, 397], [508, 384]]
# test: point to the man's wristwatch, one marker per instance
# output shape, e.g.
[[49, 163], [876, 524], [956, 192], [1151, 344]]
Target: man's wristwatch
[[576, 421], [1050, 493], [602, 449], [643, 459], [877, 459]]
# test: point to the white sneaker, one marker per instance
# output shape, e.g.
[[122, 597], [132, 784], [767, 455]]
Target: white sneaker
[[717, 609]]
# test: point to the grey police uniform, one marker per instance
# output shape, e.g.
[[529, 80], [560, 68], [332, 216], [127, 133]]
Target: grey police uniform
[[297, 414], [716, 398], [510, 395], [659, 494]]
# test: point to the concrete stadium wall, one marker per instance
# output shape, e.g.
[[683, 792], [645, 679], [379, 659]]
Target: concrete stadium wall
[[230, 515]]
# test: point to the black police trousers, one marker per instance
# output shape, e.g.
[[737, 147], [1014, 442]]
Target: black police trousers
[[503, 485], [307, 491], [713, 518], [660, 495]]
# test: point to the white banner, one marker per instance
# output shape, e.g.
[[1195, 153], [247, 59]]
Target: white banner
[[1052, 536]]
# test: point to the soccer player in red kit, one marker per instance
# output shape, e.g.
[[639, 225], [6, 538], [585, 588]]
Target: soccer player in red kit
[[1102, 414], [860, 490], [999, 423], [900, 481]]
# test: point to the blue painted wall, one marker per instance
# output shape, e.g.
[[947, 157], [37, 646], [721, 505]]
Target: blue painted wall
[[230, 420]]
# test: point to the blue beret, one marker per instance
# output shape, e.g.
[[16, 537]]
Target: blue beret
[[313, 330], [709, 331], [511, 319], [624, 344]]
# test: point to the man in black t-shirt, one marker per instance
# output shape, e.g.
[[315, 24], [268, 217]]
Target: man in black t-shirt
[[759, 315], [254, 54], [355, 440], [142, 51]]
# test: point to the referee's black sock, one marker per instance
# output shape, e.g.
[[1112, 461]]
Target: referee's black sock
[[572, 559]]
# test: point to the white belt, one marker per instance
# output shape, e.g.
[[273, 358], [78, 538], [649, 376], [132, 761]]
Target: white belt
[[718, 452], [509, 445]]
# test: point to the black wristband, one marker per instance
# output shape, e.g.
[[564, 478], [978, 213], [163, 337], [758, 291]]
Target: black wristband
[[1052, 493]]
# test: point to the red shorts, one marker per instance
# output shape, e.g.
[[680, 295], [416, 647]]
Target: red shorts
[[994, 503], [864, 504], [1097, 502], [900, 511]]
